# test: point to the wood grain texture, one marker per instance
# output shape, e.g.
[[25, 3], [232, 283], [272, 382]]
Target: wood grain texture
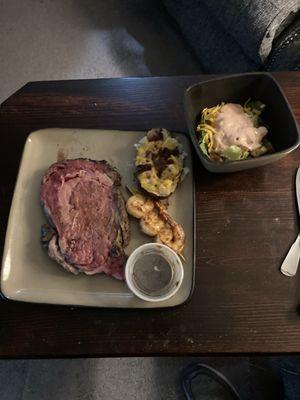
[[245, 224]]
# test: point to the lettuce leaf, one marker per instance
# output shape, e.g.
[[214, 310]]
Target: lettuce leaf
[[204, 149], [234, 152]]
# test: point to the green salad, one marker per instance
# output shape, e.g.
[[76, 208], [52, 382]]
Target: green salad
[[230, 132]]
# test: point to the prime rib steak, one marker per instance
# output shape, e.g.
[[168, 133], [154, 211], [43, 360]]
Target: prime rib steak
[[88, 225]]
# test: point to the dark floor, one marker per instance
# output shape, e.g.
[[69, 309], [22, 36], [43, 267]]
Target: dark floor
[[131, 378]]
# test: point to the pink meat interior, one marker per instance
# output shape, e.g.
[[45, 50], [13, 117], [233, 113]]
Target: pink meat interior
[[79, 198]]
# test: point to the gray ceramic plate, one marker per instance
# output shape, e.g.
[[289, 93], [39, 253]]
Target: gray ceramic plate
[[28, 274]]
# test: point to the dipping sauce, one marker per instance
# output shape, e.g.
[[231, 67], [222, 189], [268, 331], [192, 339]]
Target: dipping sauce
[[152, 274]]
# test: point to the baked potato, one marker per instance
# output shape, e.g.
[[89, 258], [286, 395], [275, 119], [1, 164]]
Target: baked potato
[[159, 163]]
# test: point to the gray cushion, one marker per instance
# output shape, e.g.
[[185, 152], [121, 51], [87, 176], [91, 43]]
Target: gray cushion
[[232, 35], [285, 54]]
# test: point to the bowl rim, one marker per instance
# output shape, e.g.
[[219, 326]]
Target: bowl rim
[[250, 161]]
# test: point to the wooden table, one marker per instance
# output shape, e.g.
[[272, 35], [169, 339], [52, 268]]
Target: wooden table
[[245, 224]]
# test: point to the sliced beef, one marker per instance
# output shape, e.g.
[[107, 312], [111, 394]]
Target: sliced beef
[[88, 223]]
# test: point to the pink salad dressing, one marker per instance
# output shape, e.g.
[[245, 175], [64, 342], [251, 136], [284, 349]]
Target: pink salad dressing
[[235, 127]]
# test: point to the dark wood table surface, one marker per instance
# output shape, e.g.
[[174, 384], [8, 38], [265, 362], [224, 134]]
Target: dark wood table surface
[[245, 224]]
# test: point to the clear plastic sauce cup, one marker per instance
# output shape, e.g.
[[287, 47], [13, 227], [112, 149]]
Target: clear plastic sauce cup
[[154, 272]]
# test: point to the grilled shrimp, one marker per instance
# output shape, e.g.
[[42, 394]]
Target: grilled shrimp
[[156, 221], [172, 234], [138, 206], [173, 237], [152, 223]]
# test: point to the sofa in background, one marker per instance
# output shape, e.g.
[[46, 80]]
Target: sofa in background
[[240, 35]]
